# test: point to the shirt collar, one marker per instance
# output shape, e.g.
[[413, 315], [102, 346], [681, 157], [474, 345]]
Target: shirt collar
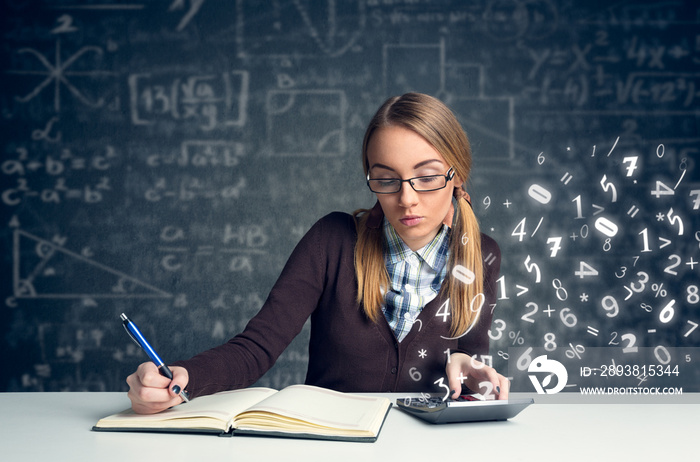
[[433, 253]]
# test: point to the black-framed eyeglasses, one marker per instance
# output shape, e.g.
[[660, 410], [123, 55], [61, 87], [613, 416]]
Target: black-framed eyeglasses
[[419, 183]]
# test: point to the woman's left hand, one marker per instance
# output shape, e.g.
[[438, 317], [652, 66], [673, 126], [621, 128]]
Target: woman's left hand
[[463, 369]]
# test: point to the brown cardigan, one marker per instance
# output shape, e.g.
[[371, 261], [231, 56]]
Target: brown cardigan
[[347, 352]]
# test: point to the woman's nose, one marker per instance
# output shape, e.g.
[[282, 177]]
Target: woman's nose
[[408, 196]]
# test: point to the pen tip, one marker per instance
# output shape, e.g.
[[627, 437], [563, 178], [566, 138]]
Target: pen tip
[[123, 317]]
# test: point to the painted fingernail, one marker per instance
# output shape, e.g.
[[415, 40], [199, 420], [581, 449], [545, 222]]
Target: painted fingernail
[[176, 389], [498, 389]]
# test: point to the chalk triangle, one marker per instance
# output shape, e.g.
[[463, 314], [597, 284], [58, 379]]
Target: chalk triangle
[[44, 269]]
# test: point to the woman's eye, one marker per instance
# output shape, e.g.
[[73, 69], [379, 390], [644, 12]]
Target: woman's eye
[[387, 182]]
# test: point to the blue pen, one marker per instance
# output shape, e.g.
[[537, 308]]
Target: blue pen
[[141, 341]]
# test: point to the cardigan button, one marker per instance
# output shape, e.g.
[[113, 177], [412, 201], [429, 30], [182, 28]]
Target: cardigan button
[[393, 370]]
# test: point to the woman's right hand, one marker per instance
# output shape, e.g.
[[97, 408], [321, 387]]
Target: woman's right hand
[[151, 392]]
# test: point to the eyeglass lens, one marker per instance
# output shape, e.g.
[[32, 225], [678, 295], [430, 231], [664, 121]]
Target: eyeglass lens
[[419, 184]]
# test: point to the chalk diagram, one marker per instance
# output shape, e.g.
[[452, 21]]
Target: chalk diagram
[[259, 26], [192, 10], [488, 119], [322, 134], [58, 73], [45, 270]]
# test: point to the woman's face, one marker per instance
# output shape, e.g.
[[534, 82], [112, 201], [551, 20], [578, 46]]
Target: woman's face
[[397, 152]]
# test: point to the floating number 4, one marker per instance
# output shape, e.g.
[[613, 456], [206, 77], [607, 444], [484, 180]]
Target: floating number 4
[[444, 311], [662, 190], [585, 270], [519, 230]]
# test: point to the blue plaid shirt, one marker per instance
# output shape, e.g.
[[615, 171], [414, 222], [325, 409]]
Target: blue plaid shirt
[[415, 277]]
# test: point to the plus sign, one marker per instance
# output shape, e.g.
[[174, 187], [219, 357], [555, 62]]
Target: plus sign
[[507, 203], [462, 378], [691, 263], [573, 236]]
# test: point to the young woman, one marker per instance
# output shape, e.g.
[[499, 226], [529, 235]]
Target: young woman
[[399, 296]]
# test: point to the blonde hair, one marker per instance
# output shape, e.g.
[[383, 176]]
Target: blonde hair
[[431, 119]]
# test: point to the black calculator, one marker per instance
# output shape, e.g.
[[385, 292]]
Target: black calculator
[[466, 408]]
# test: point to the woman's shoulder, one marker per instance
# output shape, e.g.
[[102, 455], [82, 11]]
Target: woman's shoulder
[[334, 226], [340, 221]]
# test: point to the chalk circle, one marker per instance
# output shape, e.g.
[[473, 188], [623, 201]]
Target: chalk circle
[[280, 102], [506, 19], [510, 20]]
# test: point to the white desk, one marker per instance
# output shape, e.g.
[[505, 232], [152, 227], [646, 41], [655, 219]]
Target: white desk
[[56, 426]]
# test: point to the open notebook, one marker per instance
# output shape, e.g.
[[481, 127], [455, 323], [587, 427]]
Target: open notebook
[[298, 411]]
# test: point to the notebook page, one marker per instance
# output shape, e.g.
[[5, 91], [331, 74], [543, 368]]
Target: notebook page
[[324, 407], [221, 406]]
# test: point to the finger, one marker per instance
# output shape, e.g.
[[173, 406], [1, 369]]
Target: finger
[[149, 376], [504, 388], [140, 393], [455, 386], [145, 400], [487, 382], [153, 407], [493, 378], [455, 378], [499, 387], [180, 380], [148, 390]]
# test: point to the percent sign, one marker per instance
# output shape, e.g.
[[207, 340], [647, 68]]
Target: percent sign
[[575, 351], [516, 338], [424, 397], [659, 289]]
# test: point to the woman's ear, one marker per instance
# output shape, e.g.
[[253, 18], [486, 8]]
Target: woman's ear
[[457, 181]]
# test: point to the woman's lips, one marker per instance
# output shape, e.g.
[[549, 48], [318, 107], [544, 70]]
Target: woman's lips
[[410, 220]]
